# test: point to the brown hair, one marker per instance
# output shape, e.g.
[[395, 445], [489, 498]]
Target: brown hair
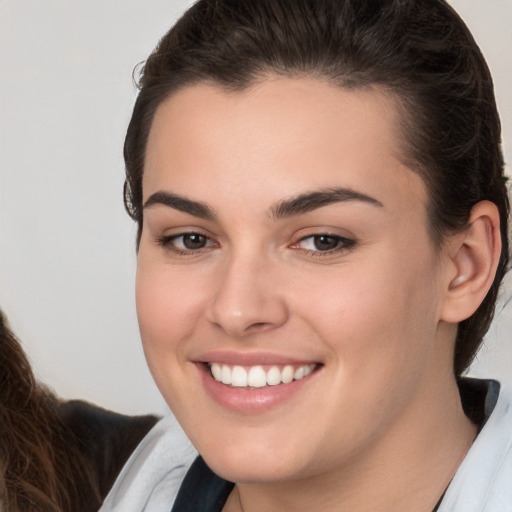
[[418, 50], [41, 467]]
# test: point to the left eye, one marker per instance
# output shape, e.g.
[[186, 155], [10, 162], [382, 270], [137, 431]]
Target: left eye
[[186, 242], [324, 243]]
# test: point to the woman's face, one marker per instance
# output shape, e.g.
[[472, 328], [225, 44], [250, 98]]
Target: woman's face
[[285, 249]]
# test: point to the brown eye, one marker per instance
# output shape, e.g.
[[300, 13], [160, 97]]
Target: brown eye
[[186, 242], [194, 241], [325, 242]]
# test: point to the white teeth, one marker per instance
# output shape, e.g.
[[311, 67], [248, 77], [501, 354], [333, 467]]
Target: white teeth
[[216, 371], [257, 377], [287, 374], [274, 376], [299, 373], [238, 377], [226, 375]]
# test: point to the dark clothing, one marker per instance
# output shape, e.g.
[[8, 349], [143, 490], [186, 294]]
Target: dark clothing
[[106, 440], [202, 490]]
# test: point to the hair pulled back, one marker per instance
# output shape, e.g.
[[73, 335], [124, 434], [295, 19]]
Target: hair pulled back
[[420, 51]]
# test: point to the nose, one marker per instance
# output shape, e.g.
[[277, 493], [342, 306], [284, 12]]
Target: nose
[[247, 298]]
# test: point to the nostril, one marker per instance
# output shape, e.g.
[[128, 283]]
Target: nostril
[[257, 326]]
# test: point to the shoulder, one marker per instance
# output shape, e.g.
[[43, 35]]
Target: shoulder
[[483, 481], [153, 474], [105, 438], [87, 419]]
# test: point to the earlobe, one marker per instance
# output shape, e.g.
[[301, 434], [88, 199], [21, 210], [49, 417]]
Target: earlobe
[[474, 257]]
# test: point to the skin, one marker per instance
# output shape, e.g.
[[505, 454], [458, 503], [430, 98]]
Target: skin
[[382, 412]]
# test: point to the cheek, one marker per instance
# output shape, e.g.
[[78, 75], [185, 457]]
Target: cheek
[[375, 317], [167, 316], [166, 310], [379, 325]]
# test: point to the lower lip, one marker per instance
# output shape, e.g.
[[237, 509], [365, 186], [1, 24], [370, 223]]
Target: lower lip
[[250, 401]]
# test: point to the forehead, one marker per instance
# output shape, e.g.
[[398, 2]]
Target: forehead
[[278, 137]]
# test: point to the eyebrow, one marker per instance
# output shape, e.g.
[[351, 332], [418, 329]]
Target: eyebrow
[[310, 201], [195, 208], [298, 205]]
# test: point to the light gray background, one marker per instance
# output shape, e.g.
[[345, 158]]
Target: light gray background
[[67, 254]]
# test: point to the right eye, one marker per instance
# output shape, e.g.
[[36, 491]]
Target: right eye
[[186, 242]]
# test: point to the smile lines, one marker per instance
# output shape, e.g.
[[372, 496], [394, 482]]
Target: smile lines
[[257, 376]]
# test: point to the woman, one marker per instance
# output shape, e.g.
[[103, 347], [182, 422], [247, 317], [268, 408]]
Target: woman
[[56, 456], [322, 213]]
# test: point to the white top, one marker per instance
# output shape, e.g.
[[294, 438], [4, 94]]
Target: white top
[[153, 474], [483, 482]]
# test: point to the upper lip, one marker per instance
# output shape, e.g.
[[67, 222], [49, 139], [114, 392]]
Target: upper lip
[[251, 358]]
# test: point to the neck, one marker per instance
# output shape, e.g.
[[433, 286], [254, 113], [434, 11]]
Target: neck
[[408, 468]]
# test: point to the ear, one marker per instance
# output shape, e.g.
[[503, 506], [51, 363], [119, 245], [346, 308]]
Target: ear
[[474, 255]]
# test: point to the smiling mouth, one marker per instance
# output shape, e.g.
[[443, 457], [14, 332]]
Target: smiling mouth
[[258, 376]]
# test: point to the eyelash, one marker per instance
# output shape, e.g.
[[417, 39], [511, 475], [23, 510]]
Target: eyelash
[[342, 244], [169, 243]]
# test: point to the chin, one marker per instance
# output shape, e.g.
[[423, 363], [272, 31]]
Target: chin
[[254, 465]]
